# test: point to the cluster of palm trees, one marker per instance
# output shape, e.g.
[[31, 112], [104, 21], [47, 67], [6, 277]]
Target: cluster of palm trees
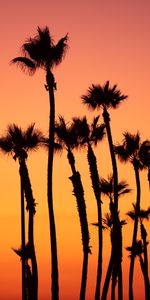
[[41, 52]]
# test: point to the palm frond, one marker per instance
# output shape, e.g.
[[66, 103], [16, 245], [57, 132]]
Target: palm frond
[[26, 64], [107, 221], [99, 96], [41, 52], [137, 250], [59, 50], [144, 153], [121, 152]]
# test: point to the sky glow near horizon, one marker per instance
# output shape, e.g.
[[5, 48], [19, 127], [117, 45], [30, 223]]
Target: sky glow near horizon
[[108, 40]]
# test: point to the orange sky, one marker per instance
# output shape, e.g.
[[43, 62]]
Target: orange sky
[[108, 40]]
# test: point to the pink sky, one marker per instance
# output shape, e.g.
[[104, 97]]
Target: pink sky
[[108, 40]]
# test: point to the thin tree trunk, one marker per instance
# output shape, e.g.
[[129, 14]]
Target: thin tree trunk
[[107, 279], [137, 209], [54, 258], [31, 207], [115, 177], [113, 286], [23, 240], [117, 252], [112, 154], [78, 192], [146, 281], [145, 269], [84, 275], [120, 284], [146, 277], [33, 258], [97, 192]]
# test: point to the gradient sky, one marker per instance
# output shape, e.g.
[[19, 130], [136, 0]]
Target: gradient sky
[[108, 40]]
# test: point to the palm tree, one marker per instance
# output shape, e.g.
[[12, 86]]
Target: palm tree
[[41, 52], [67, 137], [91, 135], [105, 97], [137, 153], [144, 214], [18, 142], [107, 188]]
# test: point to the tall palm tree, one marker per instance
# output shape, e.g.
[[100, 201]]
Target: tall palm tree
[[18, 142], [90, 135], [105, 97], [107, 188], [67, 137], [137, 153], [41, 52]]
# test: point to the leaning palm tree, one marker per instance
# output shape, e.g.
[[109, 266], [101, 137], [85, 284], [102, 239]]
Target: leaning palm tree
[[90, 135], [107, 189], [41, 52], [67, 137], [18, 142], [138, 154]]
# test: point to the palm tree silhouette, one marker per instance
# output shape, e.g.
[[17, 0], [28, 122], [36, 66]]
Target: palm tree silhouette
[[18, 142], [112, 221], [91, 135], [137, 153], [143, 214], [105, 97], [41, 52], [67, 137]]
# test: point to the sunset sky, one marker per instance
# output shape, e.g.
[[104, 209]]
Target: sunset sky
[[108, 40]]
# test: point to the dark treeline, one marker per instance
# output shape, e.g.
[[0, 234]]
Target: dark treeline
[[41, 52]]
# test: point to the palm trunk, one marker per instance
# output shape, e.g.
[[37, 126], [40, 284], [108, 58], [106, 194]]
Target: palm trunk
[[146, 277], [96, 188], [117, 255], [113, 158], [145, 273], [107, 279], [54, 258], [79, 194], [33, 258], [113, 286], [146, 281], [31, 207], [120, 283], [84, 275], [115, 177], [23, 240], [137, 209]]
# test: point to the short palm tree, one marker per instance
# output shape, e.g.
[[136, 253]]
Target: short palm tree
[[18, 142], [67, 137], [41, 52], [137, 153], [90, 135], [107, 188]]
